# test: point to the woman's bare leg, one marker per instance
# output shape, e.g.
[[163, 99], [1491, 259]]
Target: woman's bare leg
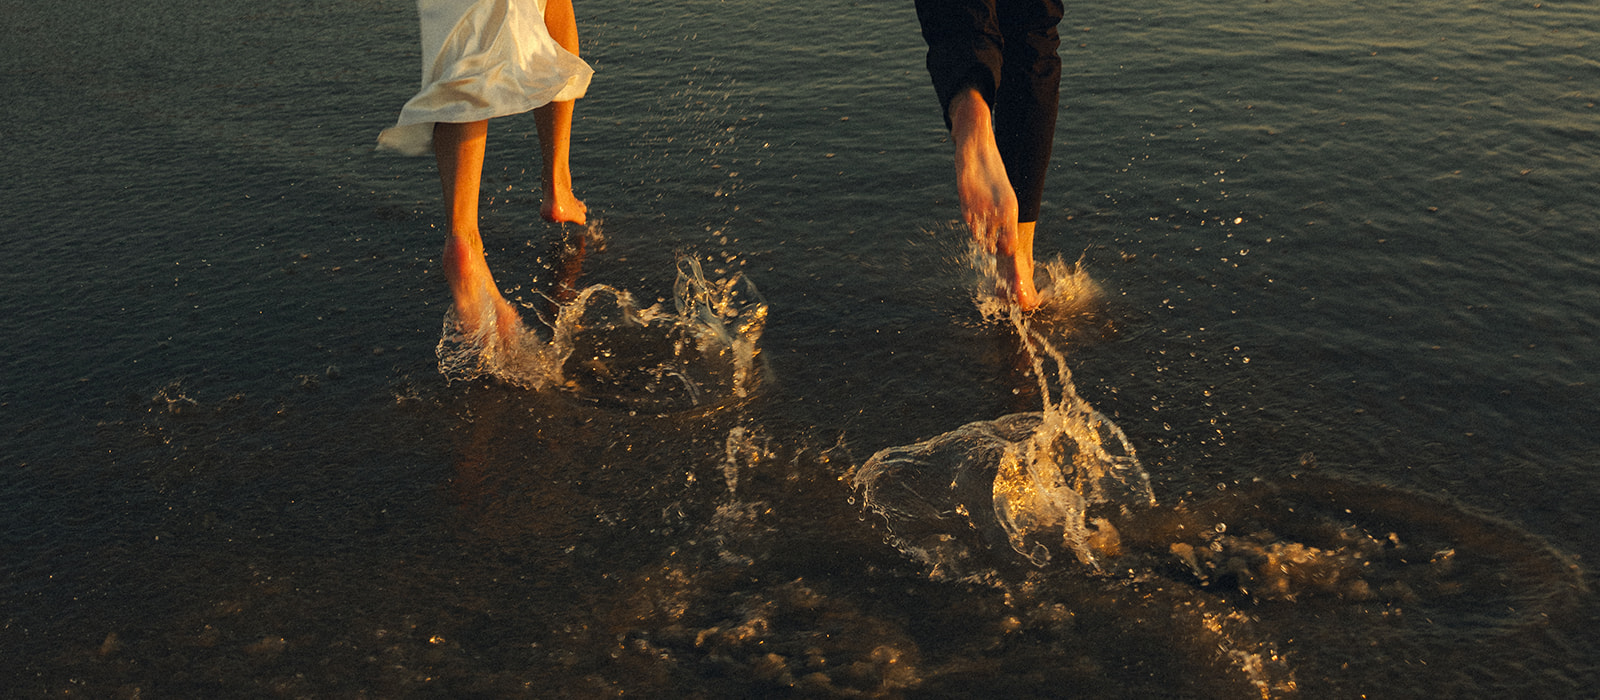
[[459, 148], [554, 121]]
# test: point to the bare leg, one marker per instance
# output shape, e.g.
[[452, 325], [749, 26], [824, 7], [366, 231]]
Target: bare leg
[[484, 314], [554, 122], [988, 203]]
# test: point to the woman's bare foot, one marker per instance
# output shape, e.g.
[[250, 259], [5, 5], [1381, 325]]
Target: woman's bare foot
[[560, 206], [483, 314]]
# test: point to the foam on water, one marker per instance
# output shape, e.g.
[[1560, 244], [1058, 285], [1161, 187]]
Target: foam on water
[[1316, 538]]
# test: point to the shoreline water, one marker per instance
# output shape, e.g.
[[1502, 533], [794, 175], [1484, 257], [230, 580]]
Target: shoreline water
[[1350, 240]]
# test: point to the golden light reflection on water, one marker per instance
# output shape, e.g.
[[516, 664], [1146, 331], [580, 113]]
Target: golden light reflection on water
[[1237, 573], [604, 347]]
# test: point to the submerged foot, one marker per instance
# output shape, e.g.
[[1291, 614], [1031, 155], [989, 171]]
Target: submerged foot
[[483, 314], [567, 269], [489, 320]]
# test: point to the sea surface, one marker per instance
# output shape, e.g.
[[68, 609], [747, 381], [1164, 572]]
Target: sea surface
[[1328, 279]]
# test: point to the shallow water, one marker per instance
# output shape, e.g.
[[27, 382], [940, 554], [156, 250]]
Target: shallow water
[[1347, 320]]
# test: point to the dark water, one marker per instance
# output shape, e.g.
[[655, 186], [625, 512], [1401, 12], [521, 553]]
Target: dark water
[[1348, 313]]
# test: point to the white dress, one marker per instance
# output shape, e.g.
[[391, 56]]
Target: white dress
[[483, 59]]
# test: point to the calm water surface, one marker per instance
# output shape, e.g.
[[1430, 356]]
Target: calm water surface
[[1348, 320]]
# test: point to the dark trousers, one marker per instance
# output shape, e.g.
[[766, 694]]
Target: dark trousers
[[1007, 50]]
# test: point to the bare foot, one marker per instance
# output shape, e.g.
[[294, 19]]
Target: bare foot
[[1018, 285], [988, 204], [560, 206], [554, 121], [1016, 267], [483, 314]]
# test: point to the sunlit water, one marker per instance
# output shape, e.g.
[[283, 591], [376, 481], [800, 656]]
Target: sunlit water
[[1311, 410], [601, 347], [1028, 480]]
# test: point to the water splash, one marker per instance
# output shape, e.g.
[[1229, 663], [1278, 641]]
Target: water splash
[[1027, 481], [603, 347], [727, 315], [1076, 458], [1065, 289]]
